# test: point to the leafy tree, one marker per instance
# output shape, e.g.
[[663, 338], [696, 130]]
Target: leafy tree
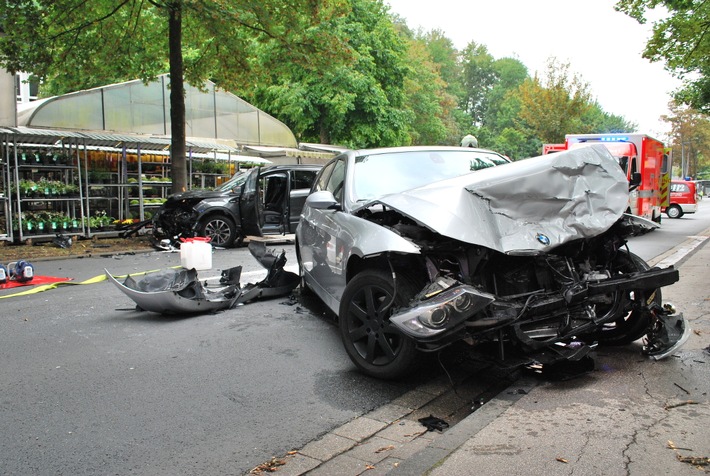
[[359, 103], [445, 59], [444, 54], [502, 101], [427, 99], [75, 44], [479, 77], [554, 105], [598, 121], [681, 39], [690, 138]]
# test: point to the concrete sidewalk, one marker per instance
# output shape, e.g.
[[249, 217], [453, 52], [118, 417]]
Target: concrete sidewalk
[[631, 416]]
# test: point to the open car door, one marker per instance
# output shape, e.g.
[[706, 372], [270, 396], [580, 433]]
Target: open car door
[[275, 191], [250, 205]]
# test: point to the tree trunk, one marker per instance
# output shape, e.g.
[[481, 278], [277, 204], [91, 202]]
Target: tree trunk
[[178, 150]]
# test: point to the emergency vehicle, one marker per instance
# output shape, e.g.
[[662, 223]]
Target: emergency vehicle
[[644, 161], [684, 198]]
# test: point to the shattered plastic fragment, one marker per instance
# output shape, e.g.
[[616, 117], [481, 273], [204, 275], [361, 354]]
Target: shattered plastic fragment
[[667, 334], [433, 423], [176, 292], [278, 282], [179, 291]]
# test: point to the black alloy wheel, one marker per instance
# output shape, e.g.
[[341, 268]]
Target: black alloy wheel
[[373, 343]]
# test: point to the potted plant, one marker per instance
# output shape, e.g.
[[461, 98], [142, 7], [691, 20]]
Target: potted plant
[[53, 222], [71, 190], [101, 220], [41, 223], [64, 222], [29, 224], [28, 188]]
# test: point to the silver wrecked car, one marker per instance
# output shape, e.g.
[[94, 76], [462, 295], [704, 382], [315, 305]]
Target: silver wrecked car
[[416, 248]]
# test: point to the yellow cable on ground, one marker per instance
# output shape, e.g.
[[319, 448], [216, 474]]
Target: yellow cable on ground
[[95, 279]]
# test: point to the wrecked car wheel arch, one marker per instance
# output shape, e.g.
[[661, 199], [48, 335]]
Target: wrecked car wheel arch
[[221, 228], [374, 344]]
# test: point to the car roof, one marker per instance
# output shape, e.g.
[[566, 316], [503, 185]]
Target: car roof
[[291, 167], [420, 148]]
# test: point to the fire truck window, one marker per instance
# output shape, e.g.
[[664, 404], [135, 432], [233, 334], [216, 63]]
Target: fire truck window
[[624, 163], [633, 165]]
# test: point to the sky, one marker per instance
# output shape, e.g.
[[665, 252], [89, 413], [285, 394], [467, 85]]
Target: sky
[[601, 45]]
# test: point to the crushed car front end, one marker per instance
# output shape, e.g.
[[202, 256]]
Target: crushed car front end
[[527, 256]]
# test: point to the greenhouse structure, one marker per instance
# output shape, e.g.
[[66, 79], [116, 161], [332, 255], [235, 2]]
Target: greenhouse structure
[[76, 162]]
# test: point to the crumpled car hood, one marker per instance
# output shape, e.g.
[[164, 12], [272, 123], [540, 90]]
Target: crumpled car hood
[[528, 206]]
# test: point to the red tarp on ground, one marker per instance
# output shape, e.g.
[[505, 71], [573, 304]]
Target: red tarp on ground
[[37, 280]]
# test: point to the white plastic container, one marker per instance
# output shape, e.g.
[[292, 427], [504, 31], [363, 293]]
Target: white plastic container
[[196, 253]]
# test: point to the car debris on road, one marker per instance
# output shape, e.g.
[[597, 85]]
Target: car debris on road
[[179, 291]]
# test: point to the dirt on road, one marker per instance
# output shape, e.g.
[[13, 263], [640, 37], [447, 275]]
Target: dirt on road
[[33, 251]]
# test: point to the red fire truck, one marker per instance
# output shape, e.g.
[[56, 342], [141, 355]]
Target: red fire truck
[[643, 159]]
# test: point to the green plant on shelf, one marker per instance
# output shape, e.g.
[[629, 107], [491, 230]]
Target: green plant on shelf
[[71, 189], [28, 188], [100, 220]]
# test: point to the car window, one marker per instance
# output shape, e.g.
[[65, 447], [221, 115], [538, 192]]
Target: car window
[[324, 176], [335, 182], [273, 190], [381, 174], [236, 181], [303, 178]]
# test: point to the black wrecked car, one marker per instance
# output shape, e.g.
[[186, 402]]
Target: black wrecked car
[[258, 201]]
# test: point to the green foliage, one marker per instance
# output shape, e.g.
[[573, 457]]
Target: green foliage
[[689, 138], [479, 78], [681, 40], [343, 72], [427, 99], [597, 121], [554, 105], [74, 44], [359, 103]]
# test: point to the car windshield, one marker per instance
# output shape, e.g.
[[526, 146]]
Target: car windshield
[[237, 180], [382, 174]]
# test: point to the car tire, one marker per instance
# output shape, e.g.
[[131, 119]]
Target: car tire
[[630, 325], [220, 229], [374, 344], [674, 211]]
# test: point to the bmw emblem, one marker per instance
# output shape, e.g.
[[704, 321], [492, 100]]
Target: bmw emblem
[[543, 239]]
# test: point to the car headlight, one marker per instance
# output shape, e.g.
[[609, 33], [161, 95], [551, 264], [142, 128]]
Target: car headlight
[[445, 310]]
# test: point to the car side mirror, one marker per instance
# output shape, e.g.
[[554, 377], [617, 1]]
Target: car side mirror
[[322, 200], [635, 180]]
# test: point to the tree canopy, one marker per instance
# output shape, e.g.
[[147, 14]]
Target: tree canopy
[[690, 139], [74, 44], [344, 72], [681, 39], [357, 103]]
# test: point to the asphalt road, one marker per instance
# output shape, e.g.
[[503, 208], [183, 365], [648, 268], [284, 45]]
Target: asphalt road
[[90, 386]]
